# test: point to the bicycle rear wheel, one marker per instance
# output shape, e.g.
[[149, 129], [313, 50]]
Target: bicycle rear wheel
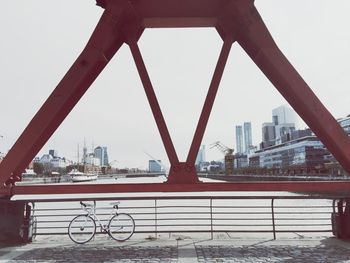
[[82, 229], [121, 227]]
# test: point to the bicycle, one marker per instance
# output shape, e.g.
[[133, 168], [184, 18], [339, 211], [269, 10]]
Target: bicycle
[[82, 228]]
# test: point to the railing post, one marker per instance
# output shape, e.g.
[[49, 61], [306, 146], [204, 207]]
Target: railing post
[[156, 218], [273, 218], [211, 218]]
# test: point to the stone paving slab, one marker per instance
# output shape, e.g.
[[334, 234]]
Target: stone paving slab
[[272, 253], [100, 254], [61, 249]]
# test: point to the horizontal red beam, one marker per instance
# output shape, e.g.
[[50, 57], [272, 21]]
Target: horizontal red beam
[[179, 13], [299, 186], [166, 22]]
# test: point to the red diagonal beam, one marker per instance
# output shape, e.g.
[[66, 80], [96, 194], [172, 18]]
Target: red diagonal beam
[[103, 44], [209, 101], [256, 40], [152, 99]]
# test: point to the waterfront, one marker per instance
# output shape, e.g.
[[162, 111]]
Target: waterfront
[[176, 246], [246, 213]]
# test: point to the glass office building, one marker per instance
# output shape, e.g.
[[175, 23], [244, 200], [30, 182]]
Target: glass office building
[[200, 156], [239, 139], [247, 128], [307, 152], [154, 166], [101, 153]]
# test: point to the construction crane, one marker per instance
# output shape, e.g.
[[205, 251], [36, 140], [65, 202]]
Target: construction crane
[[229, 156]]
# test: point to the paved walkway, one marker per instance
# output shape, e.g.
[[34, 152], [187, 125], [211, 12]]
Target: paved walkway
[[182, 250]]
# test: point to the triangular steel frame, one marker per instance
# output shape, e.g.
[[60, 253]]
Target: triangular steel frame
[[124, 22]]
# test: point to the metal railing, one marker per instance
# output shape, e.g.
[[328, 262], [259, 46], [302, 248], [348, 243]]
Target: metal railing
[[197, 214]]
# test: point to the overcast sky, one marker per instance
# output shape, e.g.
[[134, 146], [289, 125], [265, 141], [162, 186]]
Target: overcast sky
[[41, 39]]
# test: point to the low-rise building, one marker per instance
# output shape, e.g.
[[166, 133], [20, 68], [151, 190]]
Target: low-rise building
[[240, 161], [58, 162], [92, 160], [154, 166], [345, 124], [302, 153]]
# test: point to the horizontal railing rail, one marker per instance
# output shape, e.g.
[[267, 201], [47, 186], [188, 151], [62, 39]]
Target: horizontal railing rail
[[201, 214]]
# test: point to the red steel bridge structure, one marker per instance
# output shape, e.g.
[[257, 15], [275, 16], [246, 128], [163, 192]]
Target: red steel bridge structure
[[123, 21]]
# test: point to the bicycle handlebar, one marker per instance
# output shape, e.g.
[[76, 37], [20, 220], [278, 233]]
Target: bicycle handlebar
[[86, 205]]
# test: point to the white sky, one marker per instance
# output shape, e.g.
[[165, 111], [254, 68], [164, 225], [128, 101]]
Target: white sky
[[41, 39]]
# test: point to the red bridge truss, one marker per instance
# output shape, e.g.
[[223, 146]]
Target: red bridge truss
[[124, 21]]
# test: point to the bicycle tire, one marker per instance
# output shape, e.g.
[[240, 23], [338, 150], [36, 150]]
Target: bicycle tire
[[82, 229], [121, 227]]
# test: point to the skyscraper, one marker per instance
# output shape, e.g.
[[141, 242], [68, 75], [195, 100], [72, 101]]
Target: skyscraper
[[239, 139], [101, 153], [200, 156], [247, 126], [268, 134], [283, 114], [284, 119]]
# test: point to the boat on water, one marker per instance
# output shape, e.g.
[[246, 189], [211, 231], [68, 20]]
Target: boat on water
[[77, 176], [28, 173]]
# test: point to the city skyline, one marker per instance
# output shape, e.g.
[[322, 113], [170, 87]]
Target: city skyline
[[115, 111]]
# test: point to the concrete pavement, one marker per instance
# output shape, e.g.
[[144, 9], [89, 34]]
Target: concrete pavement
[[182, 249]]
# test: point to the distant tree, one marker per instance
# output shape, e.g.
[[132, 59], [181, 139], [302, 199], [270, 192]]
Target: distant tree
[[47, 168], [38, 168]]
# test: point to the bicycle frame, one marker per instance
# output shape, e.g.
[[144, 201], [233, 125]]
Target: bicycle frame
[[91, 211], [88, 221]]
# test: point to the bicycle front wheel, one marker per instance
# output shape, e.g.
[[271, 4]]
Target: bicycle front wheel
[[121, 227], [82, 229]]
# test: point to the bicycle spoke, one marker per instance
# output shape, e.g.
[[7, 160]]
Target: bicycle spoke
[[81, 229], [121, 227]]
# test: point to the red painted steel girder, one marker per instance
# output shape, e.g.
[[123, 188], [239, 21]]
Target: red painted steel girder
[[123, 22], [178, 13], [317, 186], [103, 44]]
